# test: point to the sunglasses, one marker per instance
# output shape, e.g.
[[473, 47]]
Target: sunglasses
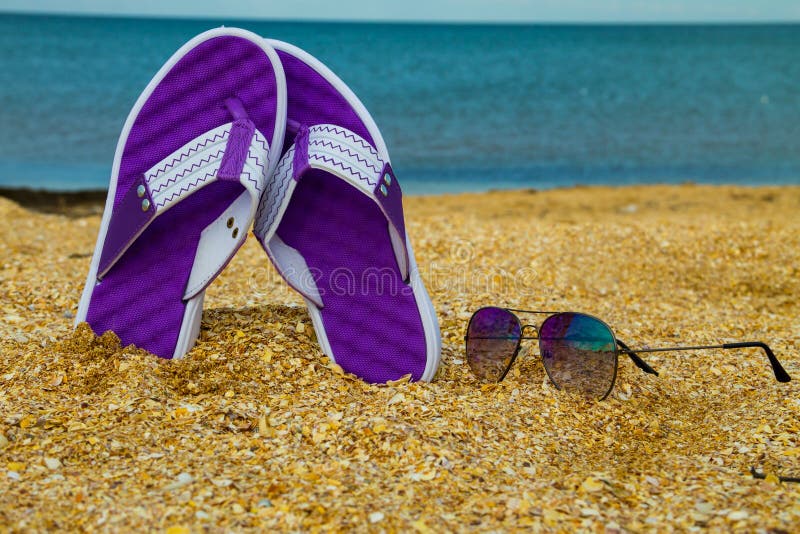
[[580, 352]]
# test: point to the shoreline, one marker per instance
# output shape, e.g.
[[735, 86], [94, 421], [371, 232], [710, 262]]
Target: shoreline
[[70, 203], [87, 202]]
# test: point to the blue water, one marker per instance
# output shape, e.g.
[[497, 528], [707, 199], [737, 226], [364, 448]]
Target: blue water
[[461, 107]]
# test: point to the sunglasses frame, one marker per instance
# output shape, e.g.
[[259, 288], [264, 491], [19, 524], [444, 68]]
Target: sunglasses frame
[[513, 312], [619, 347]]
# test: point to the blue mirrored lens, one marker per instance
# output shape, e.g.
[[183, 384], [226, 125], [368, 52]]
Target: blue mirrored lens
[[579, 353]]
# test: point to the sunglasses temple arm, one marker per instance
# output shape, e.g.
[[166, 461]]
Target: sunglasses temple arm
[[762, 476], [640, 363], [780, 373]]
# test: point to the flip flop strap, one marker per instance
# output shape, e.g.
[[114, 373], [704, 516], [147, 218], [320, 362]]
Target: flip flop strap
[[236, 152], [341, 153]]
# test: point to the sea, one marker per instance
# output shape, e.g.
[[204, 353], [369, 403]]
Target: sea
[[462, 107]]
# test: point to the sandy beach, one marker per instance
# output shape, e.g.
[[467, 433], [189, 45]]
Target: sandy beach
[[255, 428]]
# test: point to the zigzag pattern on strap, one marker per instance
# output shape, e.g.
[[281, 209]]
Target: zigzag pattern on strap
[[182, 180], [347, 134], [345, 150], [256, 162], [250, 178], [257, 183], [286, 162], [183, 172], [271, 201], [257, 138], [262, 142], [186, 188], [345, 168], [183, 155]]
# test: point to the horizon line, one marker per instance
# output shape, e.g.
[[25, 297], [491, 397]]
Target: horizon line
[[454, 22]]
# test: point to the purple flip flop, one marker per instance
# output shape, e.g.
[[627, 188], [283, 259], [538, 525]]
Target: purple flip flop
[[331, 220], [190, 167]]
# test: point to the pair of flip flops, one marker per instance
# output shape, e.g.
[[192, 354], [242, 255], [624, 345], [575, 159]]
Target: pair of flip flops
[[237, 130]]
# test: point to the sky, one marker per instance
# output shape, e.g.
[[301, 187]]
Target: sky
[[433, 10]]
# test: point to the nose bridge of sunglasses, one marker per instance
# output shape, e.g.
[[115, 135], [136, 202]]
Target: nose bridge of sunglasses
[[531, 326]]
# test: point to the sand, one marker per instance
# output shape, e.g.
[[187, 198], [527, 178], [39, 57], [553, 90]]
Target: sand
[[257, 429]]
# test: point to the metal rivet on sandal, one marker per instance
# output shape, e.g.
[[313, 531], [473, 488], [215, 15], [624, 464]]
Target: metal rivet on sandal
[[387, 179], [384, 190], [145, 205], [235, 233], [230, 222], [140, 191]]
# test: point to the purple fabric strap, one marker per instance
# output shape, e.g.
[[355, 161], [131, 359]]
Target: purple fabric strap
[[235, 108], [130, 217], [238, 145], [300, 162], [392, 202]]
